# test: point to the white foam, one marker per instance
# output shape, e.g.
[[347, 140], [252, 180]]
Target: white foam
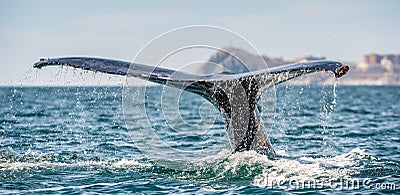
[[124, 163], [343, 160], [284, 171]]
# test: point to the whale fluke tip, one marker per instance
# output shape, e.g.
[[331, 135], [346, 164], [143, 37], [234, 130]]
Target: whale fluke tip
[[342, 71], [40, 63]]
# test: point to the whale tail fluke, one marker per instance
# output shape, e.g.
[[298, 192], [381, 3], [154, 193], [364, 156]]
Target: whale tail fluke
[[235, 95]]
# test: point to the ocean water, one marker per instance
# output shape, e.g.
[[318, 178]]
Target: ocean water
[[330, 139]]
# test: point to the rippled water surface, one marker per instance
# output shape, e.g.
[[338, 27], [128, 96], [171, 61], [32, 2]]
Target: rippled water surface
[[74, 140]]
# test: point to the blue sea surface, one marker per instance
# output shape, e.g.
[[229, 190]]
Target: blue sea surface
[[330, 139]]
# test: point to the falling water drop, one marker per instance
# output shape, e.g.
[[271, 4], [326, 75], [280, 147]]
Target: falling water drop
[[334, 92]]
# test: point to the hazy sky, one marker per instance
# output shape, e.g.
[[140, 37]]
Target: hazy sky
[[343, 30]]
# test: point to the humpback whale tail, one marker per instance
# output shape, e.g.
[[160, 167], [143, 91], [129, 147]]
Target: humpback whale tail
[[235, 96]]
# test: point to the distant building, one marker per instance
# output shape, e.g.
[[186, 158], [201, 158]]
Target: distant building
[[374, 58], [378, 63], [395, 59]]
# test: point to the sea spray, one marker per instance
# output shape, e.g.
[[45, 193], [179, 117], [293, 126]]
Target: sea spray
[[325, 117]]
